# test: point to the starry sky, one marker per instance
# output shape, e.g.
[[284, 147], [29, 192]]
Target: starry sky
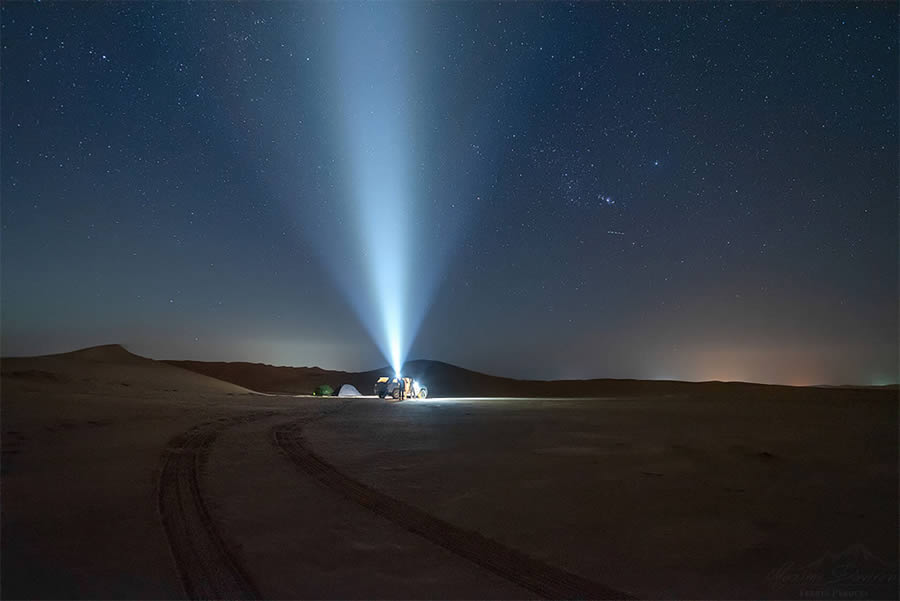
[[682, 191]]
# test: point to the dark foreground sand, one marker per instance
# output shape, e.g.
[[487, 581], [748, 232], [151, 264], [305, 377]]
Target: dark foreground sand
[[128, 478]]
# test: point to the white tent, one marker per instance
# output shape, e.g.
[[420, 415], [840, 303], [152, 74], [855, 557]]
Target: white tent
[[348, 390]]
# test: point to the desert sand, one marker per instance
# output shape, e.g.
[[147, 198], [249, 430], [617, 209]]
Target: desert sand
[[124, 477]]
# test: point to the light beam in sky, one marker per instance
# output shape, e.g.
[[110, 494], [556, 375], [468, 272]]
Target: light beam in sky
[[375, 98]]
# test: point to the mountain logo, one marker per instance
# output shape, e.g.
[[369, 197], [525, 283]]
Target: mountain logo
[[854, 572]]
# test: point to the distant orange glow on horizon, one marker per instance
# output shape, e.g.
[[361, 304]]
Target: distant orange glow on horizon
[[790, 367]]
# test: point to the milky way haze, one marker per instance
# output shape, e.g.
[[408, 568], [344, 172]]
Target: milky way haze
[[690, 191]]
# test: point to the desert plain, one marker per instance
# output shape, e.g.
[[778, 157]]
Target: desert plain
[[125, 477]]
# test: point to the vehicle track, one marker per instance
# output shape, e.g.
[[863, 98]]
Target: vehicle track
[[543, 579], [206, 567]]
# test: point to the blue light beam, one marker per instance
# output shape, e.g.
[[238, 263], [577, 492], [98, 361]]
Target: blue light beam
[[375, 104]]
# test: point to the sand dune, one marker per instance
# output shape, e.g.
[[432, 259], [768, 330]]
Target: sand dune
[[107, 369], [444, 379], [279, 380]]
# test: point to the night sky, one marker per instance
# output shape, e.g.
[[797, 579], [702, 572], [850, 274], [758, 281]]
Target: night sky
[[693, 191]]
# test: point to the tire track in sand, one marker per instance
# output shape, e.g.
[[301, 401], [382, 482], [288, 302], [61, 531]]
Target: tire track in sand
[[206, 567], [541, 578]]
